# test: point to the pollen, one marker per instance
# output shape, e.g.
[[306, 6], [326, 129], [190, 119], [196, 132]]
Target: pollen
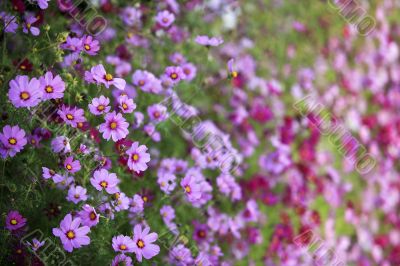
[[163, 184], [156, 114], [49, 89], [100, 107], [140, 243], [70, 234], [87, 47], [70, 117], [76, 196], [174, 76], [135, 157], [103, 184], [145, 198], [23, 67], [141, 82], [188, 189], [24, 95], [92, 216], [68, 166], [122, 247], [124, 106], [12, 141], [108, 77], [13, 221], [113, 125], [28, 25], [234, 74]]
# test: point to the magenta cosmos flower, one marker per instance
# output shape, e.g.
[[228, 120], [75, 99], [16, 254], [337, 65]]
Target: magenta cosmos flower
[[99, 106], [125, 104], [174, 74], [102, 179], [138, 157], [14, 221], [71, 116], [71, 235], [72, 165], [165, 18], [24, 92], [52, 87], [114, 127], [13, 140], [90, 45], [143, 243], [99, 75], [77, 194], [123, 244], [89, 215], [207, 41]]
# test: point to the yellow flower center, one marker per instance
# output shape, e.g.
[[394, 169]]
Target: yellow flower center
[[49, 89], [13, 221], [188, 189], [140, 243], [124, 106], [87, 47], [109, 77], [163, 184], [28, 25], [103, 184], [135, 157], [23, 67], [92, 216], [24, 95], [234, 74], [76, 196], [122, 247], [69, 116], [145, 198], [174, 76], [100, 107], [12, 141], [113, 125], [71, 234], [68, 166]]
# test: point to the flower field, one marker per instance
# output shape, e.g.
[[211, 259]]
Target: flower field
[[200, 132]]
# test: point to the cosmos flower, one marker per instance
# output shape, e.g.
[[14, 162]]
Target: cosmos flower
[[28, 26], [167, 182], [165, 18], [189, 70], [71, 234], [138, 157], [180, 255], [15, 221], [174, 74], [73, 44], [48, 173], [51, 87], [122, 259], [71, 116], [99, 106], [90, 45], [131, 16], [207, 41], [123, 244], [88, 215], [71, 165], [137, 204], [125, 104], [157, 112], [115, 127], [99, 75], [63, 181], [60, 144], [143, 243], [43, 4], [191, 187], [167, 213], [9, 21], [13, 140], [24, 92], [76, 194], [36, 244], [102, 179]]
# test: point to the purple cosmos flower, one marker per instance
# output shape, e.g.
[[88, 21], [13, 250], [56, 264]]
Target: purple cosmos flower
[[150, 130], [102, 179], [99, 106], [71, 235], [122, 259], [27, 27], [51, 87], [200, 231], [191, 187], [167, 213], [131, 16], [71, 116], [63, 181], [114, 127], [207, 41], [125, 104], [143, 243], [71, 165], [165, 18], [189, 70], [137, 204], [36, 244], [14, 221], [76, 194], [167, 182], [123, 244], [138, 157], [177, 59], [43, 4], [88, 215], [73, 44], [122, 202], [228, 186], [99, 75], [48, 173], [24, 92], [10, 22], [157, 112], [90, 45], [60, 144], [13, 140], [180, 255], [174, 74], [141, 78]]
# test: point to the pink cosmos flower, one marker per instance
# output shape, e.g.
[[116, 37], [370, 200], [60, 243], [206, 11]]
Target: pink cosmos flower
[[165, 18], [89, 215], [125, 104], [102, 179], [71, 116], [143, 243], [99, 75], [189, 70], [48, 173], [27, 26], [122, 259], [63, 181], [167, 213], [13, 140], [191, 187], [24, 92], [60, 144], [71, 235], [123, 244], [207, 41], [76, 194], [72, 165], [174, 74], [167, 183], [138, 157], [15, 220], [180, 255], [137, 204], [157, 112], [122, 202], [73, 44], [51, 87], [90, 45], [99, 106], [114, 127]]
